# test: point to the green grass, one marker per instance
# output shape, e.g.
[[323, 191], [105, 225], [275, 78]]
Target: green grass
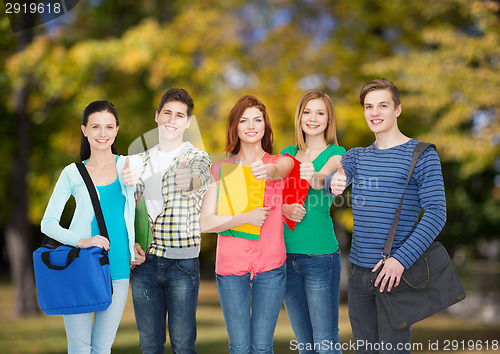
[[45, 334]]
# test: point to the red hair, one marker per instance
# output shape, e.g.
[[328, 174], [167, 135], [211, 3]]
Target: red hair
[[232, 139]]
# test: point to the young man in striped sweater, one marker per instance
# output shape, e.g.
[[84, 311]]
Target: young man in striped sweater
[[378, 175]]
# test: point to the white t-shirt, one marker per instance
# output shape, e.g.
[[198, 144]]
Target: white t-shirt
[[158, 164]]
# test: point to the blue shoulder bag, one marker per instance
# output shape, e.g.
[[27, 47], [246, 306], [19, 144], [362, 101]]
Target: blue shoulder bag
[[71, 280]]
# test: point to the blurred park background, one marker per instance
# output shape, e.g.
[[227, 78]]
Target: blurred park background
[[443, 55]]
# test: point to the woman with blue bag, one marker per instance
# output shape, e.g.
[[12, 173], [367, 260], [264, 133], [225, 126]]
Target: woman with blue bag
[[114, 177]]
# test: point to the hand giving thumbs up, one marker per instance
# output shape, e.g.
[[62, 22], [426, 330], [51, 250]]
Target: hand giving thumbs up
[[339, 180], [183, 177], [307, 168]]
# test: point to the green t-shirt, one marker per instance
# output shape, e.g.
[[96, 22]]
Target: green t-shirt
[[314, 234]]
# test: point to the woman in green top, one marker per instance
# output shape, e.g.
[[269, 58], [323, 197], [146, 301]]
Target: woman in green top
[[313, 256]]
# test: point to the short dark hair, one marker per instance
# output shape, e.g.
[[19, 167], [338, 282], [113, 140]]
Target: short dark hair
[[380, 84], [232, 139], [177, 95], [95, 107]]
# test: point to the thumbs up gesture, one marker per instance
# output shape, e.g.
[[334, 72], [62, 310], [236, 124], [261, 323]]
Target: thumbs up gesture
[[307, 168], [258, 167], [183, 176], [129, 175], [339, 180]]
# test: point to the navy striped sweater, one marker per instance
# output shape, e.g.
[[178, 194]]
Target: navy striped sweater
[[378, 178]]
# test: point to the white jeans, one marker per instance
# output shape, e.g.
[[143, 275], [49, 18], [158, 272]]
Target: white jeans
[[97, 337]]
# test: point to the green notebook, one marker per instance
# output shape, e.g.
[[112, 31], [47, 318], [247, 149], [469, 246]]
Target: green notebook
[[143, 234]]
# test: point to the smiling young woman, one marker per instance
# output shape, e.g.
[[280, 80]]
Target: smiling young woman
[[313, 259], [114, 177], [250, 274]]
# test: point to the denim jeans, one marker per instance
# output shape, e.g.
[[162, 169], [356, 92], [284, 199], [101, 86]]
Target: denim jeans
[[85, 336], [312, 301], [251, 308], [369, 320], [162, 288]]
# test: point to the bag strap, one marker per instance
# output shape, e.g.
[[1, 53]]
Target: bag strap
[[95, 200], [72, 254], [417, 151]]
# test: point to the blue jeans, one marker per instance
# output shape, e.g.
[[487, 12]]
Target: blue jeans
[[85, 336], [312, 301], [162, 286], [369, 320], [251, 308]]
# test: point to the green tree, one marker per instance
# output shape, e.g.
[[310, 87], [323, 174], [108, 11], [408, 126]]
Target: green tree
[[450, 87], [443, 55], [18, 234]]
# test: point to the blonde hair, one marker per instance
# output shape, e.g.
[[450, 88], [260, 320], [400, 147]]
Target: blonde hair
[[331, 127]]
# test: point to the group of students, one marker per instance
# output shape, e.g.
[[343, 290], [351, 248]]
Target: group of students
[[300, 267]]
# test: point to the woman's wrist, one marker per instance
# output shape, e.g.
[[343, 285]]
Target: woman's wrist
[[270, 171]]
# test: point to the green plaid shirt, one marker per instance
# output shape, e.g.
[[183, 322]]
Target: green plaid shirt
[[178, 225]]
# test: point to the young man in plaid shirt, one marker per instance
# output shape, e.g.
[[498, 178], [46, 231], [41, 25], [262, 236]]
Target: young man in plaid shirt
[[175, 177]]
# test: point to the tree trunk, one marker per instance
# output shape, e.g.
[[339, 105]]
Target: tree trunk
[[18, 235]]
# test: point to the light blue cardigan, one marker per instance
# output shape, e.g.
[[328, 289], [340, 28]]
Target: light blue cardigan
[[70, 182]]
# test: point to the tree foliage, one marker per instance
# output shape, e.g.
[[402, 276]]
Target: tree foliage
[[444, 56]]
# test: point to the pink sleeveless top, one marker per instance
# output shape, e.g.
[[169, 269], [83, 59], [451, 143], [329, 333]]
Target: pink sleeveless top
[[239, 256]]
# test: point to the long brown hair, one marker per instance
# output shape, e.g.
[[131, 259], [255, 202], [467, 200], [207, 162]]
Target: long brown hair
[[331, 128], [232, 139]]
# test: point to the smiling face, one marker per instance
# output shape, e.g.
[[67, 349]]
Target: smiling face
[[100, 131], [314, 118], [380, 111], [172, 121], [251, 127]]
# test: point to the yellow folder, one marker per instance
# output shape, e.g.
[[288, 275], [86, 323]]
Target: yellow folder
[[239, 192]]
